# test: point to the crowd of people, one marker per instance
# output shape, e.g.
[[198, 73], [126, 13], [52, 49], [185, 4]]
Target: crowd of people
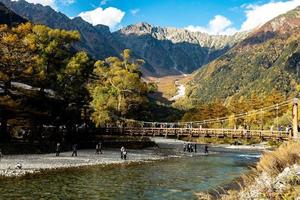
[[190, 147]]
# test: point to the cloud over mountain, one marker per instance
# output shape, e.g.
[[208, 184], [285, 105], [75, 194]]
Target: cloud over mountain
[[110, 16], [219, 25], [257, 15]]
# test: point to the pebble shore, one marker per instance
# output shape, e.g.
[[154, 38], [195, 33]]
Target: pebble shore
[[35, 163]]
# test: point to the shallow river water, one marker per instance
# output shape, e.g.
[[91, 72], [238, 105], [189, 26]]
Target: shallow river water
[[172, 178]]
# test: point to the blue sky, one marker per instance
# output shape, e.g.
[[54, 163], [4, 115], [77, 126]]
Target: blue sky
[[212, 16], [177, 13]]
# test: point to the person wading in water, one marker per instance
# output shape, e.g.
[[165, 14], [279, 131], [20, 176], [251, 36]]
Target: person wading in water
[[206, 149]]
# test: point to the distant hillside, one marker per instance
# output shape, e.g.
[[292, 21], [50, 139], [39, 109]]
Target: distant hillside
[[165, 50], [8, 17], [269, 58]]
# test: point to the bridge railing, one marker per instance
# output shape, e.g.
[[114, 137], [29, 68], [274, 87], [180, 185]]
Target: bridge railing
[[152, 131]]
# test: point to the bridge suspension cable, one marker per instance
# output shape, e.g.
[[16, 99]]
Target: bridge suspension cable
[[259, 111]]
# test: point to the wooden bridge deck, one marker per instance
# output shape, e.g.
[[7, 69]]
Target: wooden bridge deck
[[199, 132]]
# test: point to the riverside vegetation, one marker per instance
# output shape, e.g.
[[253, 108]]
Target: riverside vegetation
[[276, 176]]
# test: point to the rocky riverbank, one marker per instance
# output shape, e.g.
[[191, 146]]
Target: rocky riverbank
[[35, 163]]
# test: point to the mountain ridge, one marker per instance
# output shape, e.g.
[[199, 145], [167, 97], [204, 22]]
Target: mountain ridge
[[169, 51]]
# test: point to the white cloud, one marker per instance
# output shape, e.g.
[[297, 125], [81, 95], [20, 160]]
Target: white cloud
[[257, 15], [135, 11], [110, 16], [219, 25]]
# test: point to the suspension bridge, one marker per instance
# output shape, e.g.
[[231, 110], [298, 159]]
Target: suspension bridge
[[200, 128]]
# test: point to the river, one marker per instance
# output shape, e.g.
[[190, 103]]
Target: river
[[172, 178]]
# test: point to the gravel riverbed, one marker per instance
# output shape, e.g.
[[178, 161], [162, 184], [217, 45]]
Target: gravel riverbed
[[36, 162]]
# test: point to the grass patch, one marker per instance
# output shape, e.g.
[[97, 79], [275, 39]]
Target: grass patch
[[275, 162], [272, 164]]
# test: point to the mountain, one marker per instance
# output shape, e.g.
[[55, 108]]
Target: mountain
[[174, 49], [268, 59], [165, 50], [8, 17]]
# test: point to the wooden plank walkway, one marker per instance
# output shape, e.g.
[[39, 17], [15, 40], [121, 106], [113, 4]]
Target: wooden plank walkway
[[199, 132]]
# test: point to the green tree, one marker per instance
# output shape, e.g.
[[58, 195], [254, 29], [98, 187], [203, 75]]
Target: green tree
[[53, 47], [16, 54], [118, 90]]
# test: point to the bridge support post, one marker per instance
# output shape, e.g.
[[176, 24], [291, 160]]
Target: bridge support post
[[295, 118]]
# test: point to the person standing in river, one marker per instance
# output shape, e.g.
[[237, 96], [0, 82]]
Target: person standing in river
[[57, 150], [184, 147], [206, 149], [74, 148]]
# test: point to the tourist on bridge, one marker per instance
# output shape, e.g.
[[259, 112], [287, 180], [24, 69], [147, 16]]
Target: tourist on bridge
[[195, 147], [272, 129], [74, 148], [57, 150], [287, 130], [184, 147], [206, 149]]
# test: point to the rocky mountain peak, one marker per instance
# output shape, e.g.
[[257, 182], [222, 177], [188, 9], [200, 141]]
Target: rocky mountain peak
[[177, 35], [138, 29]]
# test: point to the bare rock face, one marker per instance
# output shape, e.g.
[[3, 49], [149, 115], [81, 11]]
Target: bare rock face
[[172, 48], [176, 35]]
